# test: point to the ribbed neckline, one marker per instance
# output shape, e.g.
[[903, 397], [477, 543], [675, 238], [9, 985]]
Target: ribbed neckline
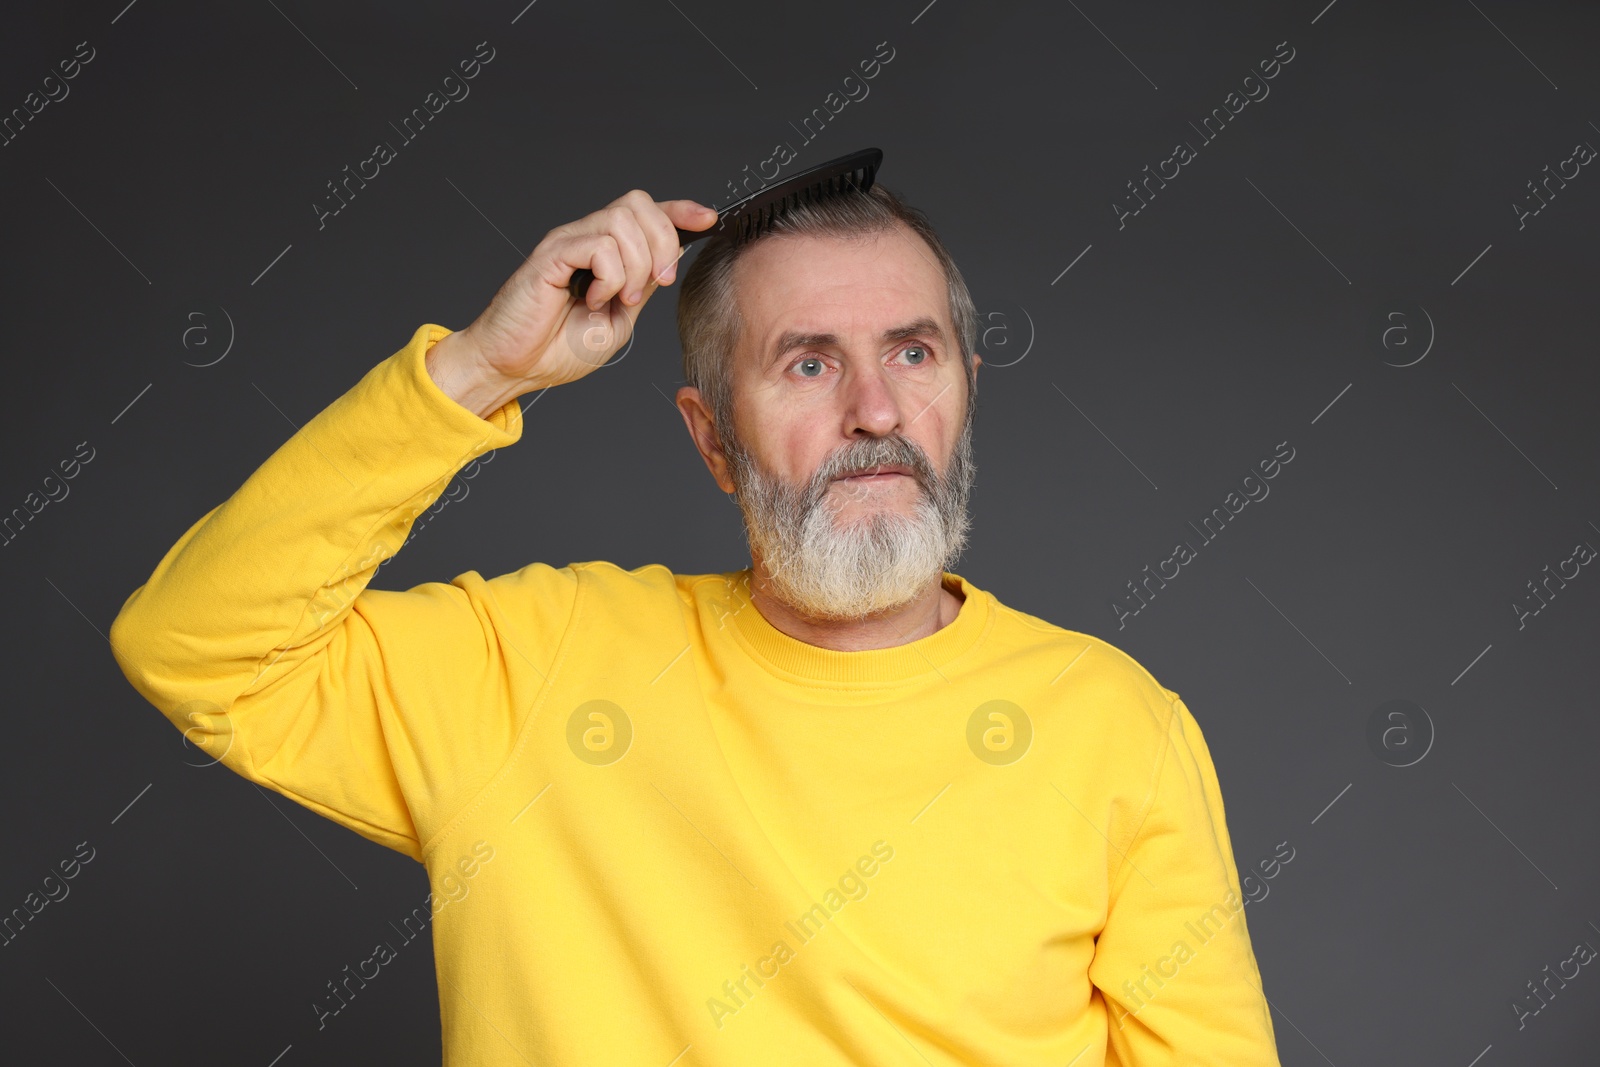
[[806, 664]]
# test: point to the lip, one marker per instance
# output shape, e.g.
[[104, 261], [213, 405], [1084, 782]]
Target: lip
[[880, 476]]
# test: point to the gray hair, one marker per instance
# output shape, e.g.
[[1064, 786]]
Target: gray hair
[[708, 313]]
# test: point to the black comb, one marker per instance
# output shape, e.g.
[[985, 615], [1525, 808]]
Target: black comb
[[750, 217]]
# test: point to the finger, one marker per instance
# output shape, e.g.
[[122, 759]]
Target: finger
[[600, 253], [566, 250], [617, 251], [625, 225], [681, 215], [661, 222], [688, 214], [662, 235], [620, 261]]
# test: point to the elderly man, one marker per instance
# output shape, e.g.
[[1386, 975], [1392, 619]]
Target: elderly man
[[839, 807]]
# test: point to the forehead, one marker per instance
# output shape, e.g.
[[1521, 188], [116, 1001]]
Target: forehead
[[854, 287]]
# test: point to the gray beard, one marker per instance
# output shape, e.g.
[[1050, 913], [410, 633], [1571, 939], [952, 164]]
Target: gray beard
[[879, 561]]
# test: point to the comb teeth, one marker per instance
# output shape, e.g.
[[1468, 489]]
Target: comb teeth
[[749, 227]]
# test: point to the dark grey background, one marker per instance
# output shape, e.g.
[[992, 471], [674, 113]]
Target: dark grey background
[[1243, 307]]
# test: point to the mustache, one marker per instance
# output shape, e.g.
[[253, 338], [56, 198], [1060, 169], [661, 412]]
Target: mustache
[[877, 452]]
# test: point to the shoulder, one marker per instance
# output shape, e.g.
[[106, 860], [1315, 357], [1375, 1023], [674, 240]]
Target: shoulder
[[591, 572], [649, 579], [606, 587], [1091, 675], [546, 590], [1030, 629]]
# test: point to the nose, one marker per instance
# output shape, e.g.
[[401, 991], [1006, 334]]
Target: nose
[[871, 404]]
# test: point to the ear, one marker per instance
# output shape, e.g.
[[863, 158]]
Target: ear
[[703, 431]]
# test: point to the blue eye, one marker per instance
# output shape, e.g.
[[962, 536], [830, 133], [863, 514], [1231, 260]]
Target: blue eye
[[814, 360], [917, 348]]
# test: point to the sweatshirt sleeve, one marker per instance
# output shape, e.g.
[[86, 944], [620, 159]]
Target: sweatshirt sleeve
[[256, 636], [1174, 961]]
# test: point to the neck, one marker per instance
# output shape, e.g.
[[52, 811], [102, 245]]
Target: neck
[[930, 610]]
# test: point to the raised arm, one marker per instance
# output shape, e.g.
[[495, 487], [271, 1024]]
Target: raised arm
[[387, 711], [256, 636]]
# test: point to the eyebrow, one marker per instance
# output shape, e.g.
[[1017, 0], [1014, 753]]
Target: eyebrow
[[792, 339]]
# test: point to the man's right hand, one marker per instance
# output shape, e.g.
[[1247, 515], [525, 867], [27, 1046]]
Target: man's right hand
[[534, 334]]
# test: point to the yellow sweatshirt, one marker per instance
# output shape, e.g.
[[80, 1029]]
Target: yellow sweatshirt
[[660, 831]]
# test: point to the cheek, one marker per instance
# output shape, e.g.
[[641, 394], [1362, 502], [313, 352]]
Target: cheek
[[944, 394], [795, 442], [939, 423]]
